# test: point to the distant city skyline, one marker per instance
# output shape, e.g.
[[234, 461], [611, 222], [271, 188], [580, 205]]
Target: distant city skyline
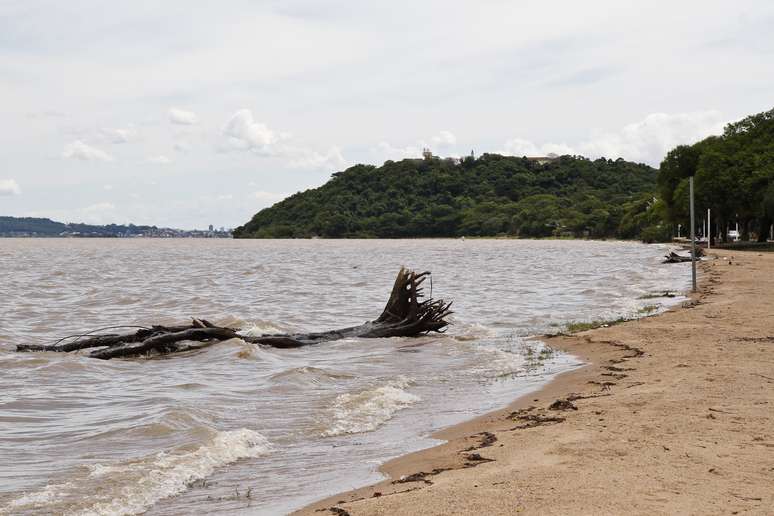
[[186, 114]]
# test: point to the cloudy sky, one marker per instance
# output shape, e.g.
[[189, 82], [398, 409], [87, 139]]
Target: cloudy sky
[[188, 113]]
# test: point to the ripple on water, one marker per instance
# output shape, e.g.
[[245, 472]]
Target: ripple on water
[[306, 375]]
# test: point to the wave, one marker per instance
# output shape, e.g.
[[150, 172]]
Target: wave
[[367, 410], [131, 487], [497, 361], [472, 331], [309, 375]]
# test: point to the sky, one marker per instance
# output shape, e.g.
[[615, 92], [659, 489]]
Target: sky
[[190, 113]]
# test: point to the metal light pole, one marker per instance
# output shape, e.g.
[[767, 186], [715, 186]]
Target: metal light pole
[[693, 237]]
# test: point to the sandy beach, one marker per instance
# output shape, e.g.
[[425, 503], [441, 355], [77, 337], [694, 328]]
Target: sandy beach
[[672, 415]]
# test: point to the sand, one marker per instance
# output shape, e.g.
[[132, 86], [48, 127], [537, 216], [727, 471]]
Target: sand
[[675, 416]]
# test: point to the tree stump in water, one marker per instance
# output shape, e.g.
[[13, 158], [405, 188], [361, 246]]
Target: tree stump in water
[[405, 315]]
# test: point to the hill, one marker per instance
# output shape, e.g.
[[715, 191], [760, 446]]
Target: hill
[[41, 227], [489, 196]]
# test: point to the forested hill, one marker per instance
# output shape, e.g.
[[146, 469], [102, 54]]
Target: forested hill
[[489, 196], [34, 226], [40, 227]]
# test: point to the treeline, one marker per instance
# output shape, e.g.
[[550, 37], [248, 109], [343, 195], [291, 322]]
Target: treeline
[[733, 176], [490, 196], [35, 226]]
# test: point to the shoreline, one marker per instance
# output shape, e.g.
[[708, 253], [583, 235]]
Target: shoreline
[[565, 447]]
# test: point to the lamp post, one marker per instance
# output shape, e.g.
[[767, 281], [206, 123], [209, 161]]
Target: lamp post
[[693, 237]]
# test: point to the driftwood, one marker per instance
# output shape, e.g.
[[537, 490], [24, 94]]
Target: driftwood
[[673, 257], [405, 315]]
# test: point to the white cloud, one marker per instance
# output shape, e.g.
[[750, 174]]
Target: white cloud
[[301, 158], [81, 151], [645, 141], [119, 135], [522, 147], [268, 198], [159, 160], [108, 187], [651, 138], [243, 132], [182, 146], [99, 207], [443, 141], [9, 187], [99, 213], [386, 150], [47, 114], [182, 117], [444, 138]]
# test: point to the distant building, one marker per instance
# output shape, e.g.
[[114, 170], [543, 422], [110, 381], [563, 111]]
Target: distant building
[[211, 227], [427, 154]]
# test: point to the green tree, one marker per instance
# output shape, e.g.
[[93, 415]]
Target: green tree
[[488, 196]]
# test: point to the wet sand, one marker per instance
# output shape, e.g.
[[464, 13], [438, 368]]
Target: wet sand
[[674, 414]]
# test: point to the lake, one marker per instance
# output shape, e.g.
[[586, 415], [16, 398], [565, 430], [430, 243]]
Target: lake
[[239, 428]]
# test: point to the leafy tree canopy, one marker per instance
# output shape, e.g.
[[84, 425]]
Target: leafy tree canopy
[[733, 174], [489, 196]]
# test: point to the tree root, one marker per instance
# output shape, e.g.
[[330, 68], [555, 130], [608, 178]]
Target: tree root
[[405, 315]]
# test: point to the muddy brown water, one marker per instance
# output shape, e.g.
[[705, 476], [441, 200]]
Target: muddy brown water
[[237, 428]]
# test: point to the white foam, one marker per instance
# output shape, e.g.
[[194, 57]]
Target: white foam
[[100, 470], [132, 487], [501, 362], [473, 331], [34, 499], [258, 328], [367, 410]]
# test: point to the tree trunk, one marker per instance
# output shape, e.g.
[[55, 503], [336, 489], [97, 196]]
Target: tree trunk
[[763, 229], [745, 236], [405, 315]]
